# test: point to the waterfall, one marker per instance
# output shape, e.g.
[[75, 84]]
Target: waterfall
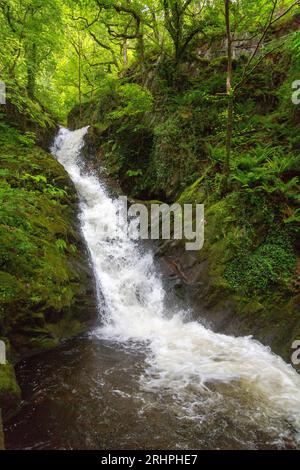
[[183, 357]]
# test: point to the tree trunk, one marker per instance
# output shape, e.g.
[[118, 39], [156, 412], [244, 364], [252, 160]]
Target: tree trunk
[[229, 133], [141, 50], [31, 70], [230, 108], [125, 56], [79, 77]]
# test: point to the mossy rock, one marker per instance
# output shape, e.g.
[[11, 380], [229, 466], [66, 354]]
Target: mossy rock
[[45, 276], [10, 393]]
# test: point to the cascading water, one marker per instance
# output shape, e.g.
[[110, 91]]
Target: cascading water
[[207, 379], [182, 354]]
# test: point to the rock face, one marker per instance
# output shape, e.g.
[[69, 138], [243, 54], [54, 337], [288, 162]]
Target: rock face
[[21, 120], [47, 291]]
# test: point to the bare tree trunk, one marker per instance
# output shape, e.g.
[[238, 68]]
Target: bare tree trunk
[[230, 109], [140, 48], [79, 77], [125, 56], [229, 134]]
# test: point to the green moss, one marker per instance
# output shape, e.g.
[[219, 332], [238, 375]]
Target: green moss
[[10, 288], [193, 193], [10, 393], [272, 263], [66, 328]]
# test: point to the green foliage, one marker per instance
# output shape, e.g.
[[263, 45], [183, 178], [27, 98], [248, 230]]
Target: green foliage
[[294, 219], [263, 169], [10, 288], [9, 136], [35, 178], [295, 43], [10, 393], [216, 154], [27, 139], [134, 100], [134, 173], [270, 265], [181, 140], [61, 245]]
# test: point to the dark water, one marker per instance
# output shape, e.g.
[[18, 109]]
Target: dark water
[[88, 395]]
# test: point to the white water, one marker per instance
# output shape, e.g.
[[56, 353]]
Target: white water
[[182, 355]]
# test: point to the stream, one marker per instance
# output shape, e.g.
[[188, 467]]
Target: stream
[[147, 376]]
